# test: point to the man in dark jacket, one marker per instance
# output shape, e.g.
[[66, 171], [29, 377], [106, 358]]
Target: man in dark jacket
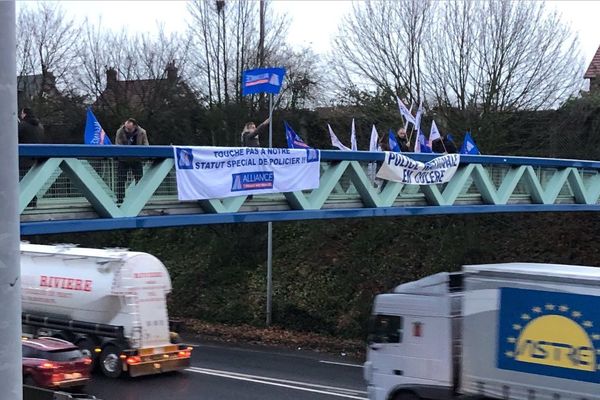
[[403, 141], [31, 130], [129, 134], [444, 145]]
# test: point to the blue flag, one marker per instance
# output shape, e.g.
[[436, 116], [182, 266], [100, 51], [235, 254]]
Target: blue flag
[[94, 134], [394, 146], [262, 80], [293, 140], [469, 146], [421, 144]]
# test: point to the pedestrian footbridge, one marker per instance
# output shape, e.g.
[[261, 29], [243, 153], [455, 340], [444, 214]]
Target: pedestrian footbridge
[[74, 187]]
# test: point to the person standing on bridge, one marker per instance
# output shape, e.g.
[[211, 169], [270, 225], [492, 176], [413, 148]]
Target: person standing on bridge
[[31, 129], [251, 132], [130, 134], [444, 145], [403, 141]]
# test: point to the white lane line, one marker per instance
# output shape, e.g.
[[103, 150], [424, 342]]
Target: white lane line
[[276, 379], [276, 382], [341, 363]]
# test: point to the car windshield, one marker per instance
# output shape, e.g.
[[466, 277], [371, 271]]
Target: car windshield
[[63, 355]]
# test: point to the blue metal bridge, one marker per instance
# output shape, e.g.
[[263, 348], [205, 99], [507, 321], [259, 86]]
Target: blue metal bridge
[[75, 190]]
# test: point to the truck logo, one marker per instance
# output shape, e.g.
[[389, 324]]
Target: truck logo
[[549, 333]]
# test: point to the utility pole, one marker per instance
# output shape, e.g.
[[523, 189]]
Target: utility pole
[[261, 62], [261, 48], [261, 37], [11, 380]]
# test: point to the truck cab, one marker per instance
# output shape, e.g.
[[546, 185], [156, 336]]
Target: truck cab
[[413, 340]]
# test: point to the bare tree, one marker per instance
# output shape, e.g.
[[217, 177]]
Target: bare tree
[[486, 56], [380, 45], [142, 57], [99, 47], [47, 43], [526, 57], [303, 86], [225, 40], [450, 72]]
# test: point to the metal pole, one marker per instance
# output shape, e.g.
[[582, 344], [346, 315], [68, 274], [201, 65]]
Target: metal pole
[[10, 271], [270, 119], [270, 230], [269, 271]]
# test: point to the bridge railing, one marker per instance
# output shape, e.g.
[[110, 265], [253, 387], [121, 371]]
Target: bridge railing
[[78, 182]]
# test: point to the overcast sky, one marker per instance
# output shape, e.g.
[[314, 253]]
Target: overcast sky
[[313, 22]]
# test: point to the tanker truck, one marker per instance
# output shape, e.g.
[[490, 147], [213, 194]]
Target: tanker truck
[[111, 303], [519, 331]]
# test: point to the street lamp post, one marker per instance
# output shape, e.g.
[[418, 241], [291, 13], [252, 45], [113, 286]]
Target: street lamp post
[[10, 277]]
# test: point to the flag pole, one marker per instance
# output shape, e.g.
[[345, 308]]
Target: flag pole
[[270, 230], [413, 127], [410, 135]]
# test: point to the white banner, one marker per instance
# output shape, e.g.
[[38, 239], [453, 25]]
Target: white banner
[[399, 168], [218, 172]]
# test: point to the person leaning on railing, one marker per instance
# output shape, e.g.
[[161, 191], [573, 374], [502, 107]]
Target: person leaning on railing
[[129, 134]]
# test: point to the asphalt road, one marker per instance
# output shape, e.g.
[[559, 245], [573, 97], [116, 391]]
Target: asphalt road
[[232, 372]]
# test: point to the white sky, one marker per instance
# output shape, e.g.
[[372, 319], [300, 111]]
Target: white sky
[[313, 22]]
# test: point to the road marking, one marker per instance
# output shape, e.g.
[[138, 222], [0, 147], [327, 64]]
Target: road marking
[[274, 379], [341, 363], [309, 387]]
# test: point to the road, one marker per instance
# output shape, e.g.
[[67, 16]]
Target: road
[[222, 372]]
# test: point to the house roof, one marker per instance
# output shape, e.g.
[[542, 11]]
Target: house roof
[[593, 70], [30, 86], [139, 92]]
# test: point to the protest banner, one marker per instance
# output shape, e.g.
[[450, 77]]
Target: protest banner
[[218, 172], [399, 168]]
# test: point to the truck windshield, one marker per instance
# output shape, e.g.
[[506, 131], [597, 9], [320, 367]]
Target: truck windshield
[[385, 329]]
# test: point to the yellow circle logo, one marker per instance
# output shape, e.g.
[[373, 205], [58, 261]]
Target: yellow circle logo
[[557, 341]]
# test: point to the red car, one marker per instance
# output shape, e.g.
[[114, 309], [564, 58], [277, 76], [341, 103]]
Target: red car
[[54, 363]]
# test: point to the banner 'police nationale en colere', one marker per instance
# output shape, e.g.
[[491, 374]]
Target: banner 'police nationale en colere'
[[218, 172], [399, 168]]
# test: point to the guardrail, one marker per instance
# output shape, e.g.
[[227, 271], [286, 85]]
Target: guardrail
[[74, 187]]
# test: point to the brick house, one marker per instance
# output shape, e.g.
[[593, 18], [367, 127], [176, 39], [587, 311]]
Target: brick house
[[136, 96], [593, 73]]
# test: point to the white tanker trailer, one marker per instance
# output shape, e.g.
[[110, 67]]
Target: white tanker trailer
[[111, 303]]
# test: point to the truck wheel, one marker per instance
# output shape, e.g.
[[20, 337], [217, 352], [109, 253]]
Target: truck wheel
[[87, 346], [110, 364], [406, 396]]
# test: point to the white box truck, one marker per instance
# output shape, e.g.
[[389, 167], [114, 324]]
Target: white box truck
[[518, 331], [111, 303]]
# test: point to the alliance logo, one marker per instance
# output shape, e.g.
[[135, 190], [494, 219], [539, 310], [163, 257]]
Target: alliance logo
[[185, 158], [549, 333], [252, 181], [256, 79]]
